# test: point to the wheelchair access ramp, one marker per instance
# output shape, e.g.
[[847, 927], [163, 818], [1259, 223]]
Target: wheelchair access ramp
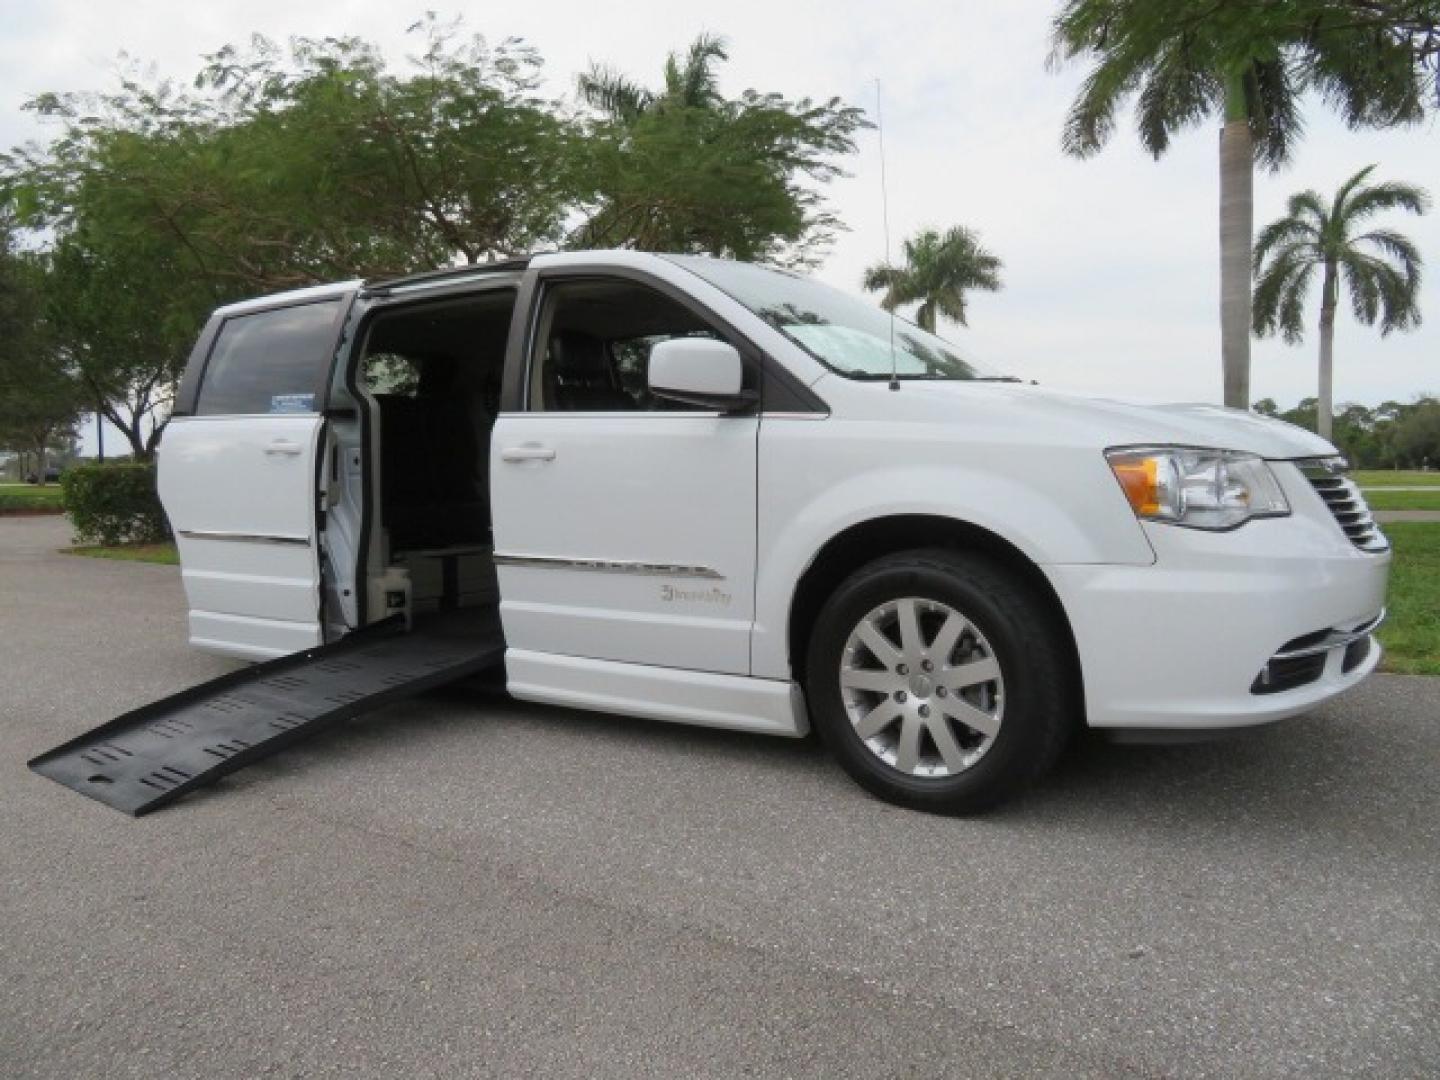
[[153, 755]]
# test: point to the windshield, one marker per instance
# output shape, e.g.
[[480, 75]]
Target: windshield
[[847, 335]]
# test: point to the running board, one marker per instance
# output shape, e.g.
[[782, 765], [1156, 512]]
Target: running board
[[153, 755]]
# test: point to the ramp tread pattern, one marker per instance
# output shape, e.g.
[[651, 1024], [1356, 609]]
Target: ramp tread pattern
[[153, 755]]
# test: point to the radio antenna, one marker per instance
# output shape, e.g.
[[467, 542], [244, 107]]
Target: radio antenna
[[885, 224]]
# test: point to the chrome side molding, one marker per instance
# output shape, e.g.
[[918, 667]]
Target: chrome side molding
[[608, 566], [242, 538]]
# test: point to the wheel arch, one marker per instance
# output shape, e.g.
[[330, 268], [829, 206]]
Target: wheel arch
[[866, 541]]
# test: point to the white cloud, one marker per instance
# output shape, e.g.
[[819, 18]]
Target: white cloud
[[1111, 264]]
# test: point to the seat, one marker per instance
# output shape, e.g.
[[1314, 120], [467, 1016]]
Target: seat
[[582, 377]]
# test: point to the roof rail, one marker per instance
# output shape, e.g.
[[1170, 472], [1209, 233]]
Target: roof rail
[[383, 286]]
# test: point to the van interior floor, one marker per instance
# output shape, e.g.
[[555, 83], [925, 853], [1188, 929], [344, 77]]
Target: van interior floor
[[155, 754]]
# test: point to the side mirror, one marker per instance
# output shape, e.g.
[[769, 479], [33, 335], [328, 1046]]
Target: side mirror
[[699, 371]]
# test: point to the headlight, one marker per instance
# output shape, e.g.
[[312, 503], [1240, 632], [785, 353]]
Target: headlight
[[1201, 489]]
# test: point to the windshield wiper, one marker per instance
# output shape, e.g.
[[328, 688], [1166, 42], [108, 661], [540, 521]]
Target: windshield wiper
[[997, 378]]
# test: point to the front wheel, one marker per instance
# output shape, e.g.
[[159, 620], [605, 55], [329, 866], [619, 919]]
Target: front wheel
[[940, 680]]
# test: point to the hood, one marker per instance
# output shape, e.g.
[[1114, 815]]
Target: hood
[[1240, 429], [1101, 422]]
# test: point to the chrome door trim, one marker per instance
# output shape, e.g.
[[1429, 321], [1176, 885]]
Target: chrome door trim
[[608, 566], [626, 414], [242, 538]]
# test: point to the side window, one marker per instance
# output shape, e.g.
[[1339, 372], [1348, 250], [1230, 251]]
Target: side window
[[592, 353], [269, 362]]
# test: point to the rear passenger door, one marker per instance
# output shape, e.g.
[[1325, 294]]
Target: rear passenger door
[[239, 476]]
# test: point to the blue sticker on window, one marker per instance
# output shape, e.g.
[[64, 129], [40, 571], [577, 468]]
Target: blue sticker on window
[[292, 403]]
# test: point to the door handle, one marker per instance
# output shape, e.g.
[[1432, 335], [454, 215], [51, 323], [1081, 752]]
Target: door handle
[[283, 446], [528, 452]]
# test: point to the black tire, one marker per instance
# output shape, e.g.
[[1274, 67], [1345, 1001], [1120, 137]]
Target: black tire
[[1018, 627]]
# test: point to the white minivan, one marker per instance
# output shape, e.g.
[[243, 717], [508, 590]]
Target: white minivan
[[704, 491]]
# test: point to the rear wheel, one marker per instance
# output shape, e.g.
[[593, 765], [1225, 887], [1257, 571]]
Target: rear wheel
[[939, 680]]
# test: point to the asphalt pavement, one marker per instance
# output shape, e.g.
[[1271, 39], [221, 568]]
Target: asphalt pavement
[[464, 886]]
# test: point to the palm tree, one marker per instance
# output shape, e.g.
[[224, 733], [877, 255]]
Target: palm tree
[[1381, 268], [690, 83], [937, 272], [1246, 64]]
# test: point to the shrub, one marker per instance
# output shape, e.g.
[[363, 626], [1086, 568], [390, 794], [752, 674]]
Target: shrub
[[114, 504]]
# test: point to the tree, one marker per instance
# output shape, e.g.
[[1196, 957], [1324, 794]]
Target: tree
[[382, 172], [287, 167], [1416, 439], [39, 410], [684, 168], [123, 316], [691, 84], [1266, 406], [40, 403], [282, 169], [938, 271], [1392, 435], [1380, 267], [1247, 65], [1412, 24]]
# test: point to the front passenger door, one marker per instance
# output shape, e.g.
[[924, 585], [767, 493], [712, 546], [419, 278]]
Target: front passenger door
[[624, 525]]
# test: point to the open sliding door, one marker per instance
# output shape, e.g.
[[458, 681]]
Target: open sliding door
[[239, 478]]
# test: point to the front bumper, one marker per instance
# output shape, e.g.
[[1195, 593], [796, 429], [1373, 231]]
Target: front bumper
[[1186, 642]]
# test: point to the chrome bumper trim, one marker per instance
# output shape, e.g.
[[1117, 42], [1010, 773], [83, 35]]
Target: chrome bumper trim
[[1336, 639]]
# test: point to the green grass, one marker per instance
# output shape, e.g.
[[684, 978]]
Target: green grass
[[152, 553], [1411, 635], [1368, 478], [30, 497], [1403, 500]]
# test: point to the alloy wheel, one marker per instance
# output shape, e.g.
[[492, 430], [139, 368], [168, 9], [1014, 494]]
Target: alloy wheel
[[922, 687]]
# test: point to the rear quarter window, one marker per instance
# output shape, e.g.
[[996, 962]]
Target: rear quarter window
[[272, 361]]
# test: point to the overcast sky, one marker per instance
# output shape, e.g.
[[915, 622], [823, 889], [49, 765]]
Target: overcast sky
[[1110, 264]]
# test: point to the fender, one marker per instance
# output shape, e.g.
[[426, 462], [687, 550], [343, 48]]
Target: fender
[[1049, 503]]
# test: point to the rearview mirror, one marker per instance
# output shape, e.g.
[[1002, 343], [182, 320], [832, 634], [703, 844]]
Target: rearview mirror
[[699, 371]]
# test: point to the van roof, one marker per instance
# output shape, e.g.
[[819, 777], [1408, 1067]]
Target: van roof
[[312, 292], [373, 286], [385, 285], [405, 282]]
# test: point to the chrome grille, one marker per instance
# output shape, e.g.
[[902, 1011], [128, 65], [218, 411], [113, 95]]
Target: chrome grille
[[1342, 496]]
